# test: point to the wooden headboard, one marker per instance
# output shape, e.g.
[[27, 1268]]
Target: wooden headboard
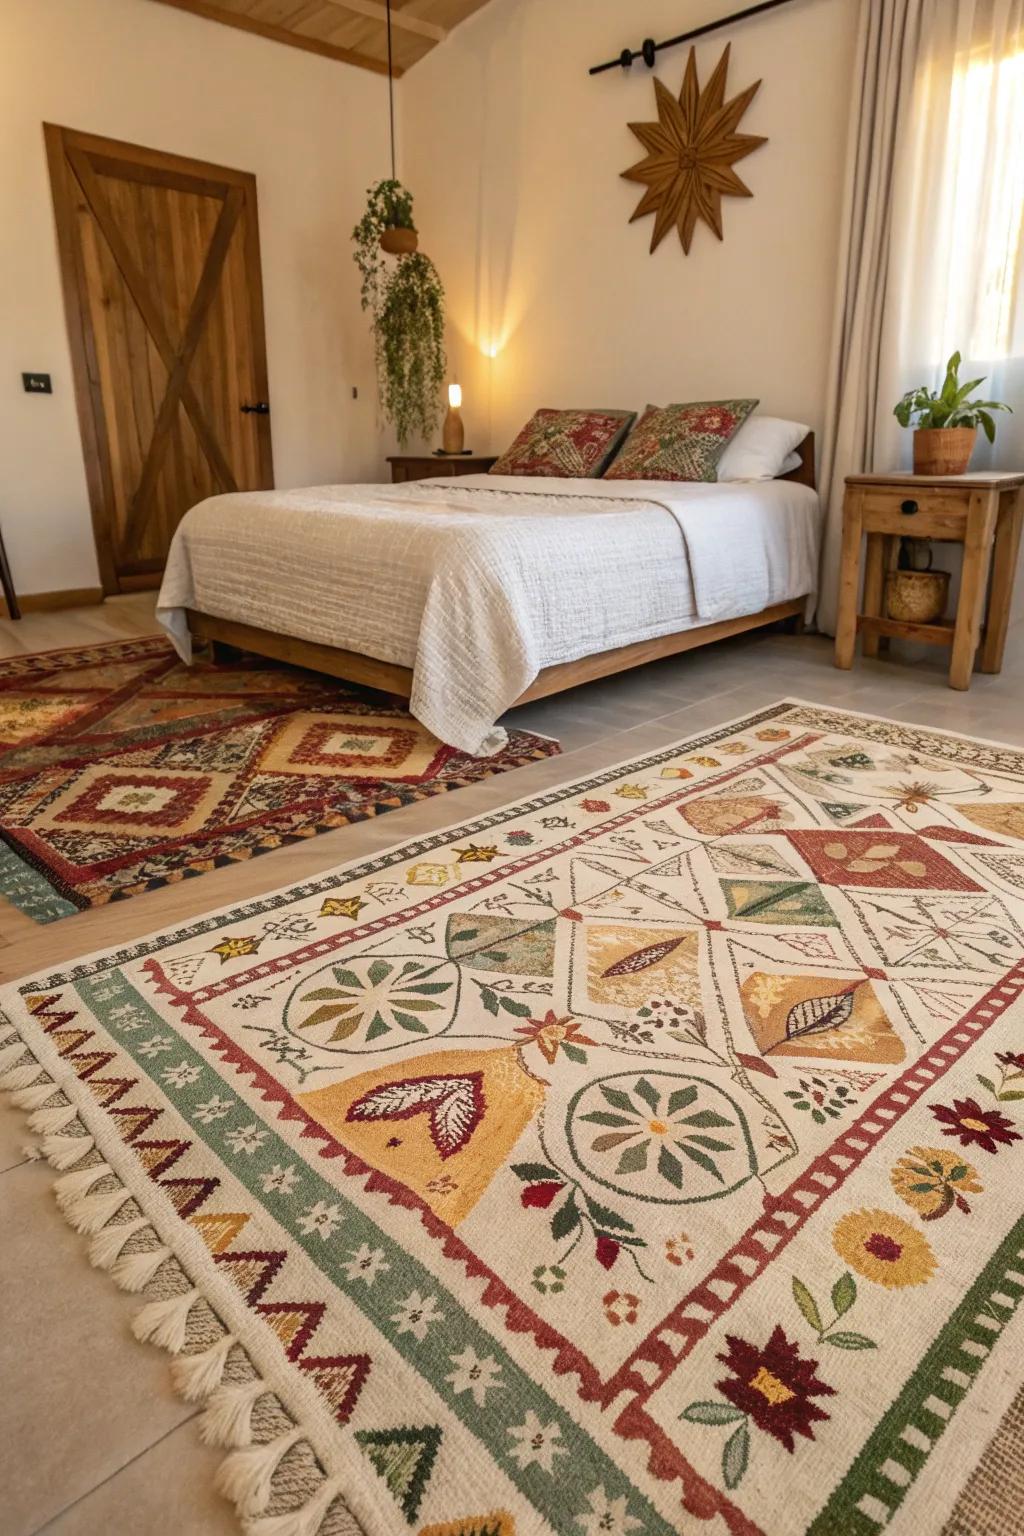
[[804, 473]]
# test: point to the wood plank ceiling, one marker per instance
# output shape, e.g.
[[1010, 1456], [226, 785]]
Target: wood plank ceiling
[[353, 31]]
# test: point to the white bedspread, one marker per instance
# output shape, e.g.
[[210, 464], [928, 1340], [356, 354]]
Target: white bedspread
[[478, 583]]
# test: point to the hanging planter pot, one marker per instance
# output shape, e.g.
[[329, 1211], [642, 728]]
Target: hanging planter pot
[[399, 240], [386, 226]]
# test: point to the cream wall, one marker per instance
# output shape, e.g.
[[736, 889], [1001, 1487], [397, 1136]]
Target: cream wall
[[312, 130], [513, 153]]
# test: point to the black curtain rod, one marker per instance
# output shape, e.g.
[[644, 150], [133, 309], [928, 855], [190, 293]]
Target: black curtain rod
[[649, 48]]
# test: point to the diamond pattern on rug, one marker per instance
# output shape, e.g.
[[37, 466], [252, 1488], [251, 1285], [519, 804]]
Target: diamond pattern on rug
[[121, 770], [550, 1186]]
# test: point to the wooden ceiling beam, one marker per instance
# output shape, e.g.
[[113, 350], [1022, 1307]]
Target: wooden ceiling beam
[[213, 12], [399, 20]]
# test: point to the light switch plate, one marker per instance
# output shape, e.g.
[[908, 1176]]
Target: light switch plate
[[37, 383]]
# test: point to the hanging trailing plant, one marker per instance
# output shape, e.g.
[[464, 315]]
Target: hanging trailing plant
[[388, 207], [409, 335], [406, 302]]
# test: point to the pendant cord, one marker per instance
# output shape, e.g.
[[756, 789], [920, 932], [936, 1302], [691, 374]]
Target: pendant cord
[[391, 96]]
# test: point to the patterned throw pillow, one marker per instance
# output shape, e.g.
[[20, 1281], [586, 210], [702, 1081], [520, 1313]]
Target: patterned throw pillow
[[680, 442], [565, 443]]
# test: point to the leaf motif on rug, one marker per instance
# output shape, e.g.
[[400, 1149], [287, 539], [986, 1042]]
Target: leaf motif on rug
[[454, 1107]]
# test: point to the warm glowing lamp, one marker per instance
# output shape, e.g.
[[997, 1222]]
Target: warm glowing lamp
[[453, 437]]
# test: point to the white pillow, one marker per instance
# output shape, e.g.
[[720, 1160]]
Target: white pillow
[[762, 449]]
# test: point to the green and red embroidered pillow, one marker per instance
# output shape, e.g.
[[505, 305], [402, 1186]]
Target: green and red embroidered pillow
[[680, 442], [565, 443]]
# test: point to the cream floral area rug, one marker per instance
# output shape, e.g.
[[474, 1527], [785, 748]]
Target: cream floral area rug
[[644, 1158]]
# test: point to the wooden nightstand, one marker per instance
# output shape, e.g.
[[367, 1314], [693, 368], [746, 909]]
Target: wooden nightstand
[[430, 466], [981, 511]]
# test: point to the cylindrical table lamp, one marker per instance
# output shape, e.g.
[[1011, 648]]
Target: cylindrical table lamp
[[453, 437]]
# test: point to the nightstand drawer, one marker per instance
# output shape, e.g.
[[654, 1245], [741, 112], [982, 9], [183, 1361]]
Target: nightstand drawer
[[916, 512]]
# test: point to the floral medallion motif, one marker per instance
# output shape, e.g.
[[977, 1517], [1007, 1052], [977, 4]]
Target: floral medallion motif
[[660, 1136], [884, 1248], [373, 1003]]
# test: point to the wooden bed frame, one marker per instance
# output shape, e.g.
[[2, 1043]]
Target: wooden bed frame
[[353, 667]]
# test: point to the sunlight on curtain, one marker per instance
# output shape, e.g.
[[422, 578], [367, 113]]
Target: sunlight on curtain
[[955, 277], [977, 303]]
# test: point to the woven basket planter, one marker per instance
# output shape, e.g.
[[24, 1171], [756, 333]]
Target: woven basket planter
[[943, 450], [917, 597]]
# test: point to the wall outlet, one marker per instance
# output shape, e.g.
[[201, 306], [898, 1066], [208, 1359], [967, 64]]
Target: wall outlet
[[37, 383]]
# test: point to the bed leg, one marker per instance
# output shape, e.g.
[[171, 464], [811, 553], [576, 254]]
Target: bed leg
[[222, 654], [794, 625]]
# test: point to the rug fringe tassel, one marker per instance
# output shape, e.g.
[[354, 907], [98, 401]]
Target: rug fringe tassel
[[9, 1055], [195, 1377], [245, 1477], [20, 1077], [228, 1418], [35, 1097], [89, 1214], [106, 1245], [65, 1151], [48, 1122], [164, 1323], [78, 1183], [304, 1521], [134, 1271]]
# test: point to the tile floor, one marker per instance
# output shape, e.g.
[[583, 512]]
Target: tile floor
[[139, 1466]]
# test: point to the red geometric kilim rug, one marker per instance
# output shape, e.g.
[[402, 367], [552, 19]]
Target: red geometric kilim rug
[[122, 770], [644, 1158]]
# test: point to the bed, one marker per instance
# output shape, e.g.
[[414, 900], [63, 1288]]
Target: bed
[[471, 595]]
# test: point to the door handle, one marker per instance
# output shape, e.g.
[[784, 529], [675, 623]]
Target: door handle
[[261, 408]]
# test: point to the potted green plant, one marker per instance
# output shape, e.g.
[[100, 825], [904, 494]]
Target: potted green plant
[[386, 222], [946, 423], [406, 301]]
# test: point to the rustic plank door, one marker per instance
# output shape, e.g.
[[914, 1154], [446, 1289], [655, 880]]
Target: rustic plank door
[[160, 262]]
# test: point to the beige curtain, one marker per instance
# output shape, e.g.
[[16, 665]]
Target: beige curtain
[[930, 258], [887, 51]]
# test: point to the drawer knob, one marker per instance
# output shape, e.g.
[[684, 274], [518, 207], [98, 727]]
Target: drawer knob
[[908, 508]]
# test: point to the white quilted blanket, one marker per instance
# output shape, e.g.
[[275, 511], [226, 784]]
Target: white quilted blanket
[[477, 583]]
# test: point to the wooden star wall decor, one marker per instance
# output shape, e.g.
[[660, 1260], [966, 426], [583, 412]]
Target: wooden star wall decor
[[691, 150]]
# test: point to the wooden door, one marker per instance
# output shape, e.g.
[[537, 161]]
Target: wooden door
[[160, 262]]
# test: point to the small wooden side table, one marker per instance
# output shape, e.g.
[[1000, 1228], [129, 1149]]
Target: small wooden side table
[[982, 511], [430, 466]]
